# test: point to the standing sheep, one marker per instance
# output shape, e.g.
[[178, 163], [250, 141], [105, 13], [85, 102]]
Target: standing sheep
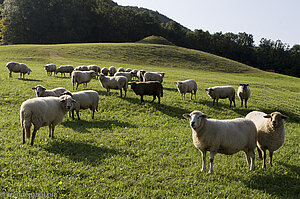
[[221, 92], [153, 76], [112, 70], [95, 68], [104, 71], [45, 111], [117, 83], [129, 75], [65, 69], [187, 86], [222, 136], [50, 68], [270, 132], [82, 77], [84, 100], [42, 92], [81, 68], [121, 69], [18, 68], [148, 88], [244, 93]]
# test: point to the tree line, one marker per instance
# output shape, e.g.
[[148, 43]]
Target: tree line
[[69, 21]]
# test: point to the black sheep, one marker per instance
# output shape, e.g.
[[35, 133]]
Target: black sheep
[[153, 88]]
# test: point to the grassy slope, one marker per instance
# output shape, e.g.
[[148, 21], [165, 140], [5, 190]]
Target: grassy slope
[[141, 150]]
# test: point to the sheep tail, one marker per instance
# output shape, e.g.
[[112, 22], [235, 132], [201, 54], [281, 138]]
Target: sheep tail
[[26, 122]]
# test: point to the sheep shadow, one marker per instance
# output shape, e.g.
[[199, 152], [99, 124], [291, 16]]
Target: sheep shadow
[[30, 80], [82, 152], [83, 126]]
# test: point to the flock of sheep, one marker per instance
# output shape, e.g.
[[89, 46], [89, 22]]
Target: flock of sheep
[[257, 130]]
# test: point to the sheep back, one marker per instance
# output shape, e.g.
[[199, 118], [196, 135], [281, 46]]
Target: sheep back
[[153, 76]]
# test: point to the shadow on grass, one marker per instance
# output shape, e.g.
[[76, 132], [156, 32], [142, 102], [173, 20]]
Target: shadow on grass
[[83, 126], [82, 152], [30, 80]]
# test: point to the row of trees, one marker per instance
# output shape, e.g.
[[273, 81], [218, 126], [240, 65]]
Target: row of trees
[[64, 21]]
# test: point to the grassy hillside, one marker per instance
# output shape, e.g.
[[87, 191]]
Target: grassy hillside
[[134, 150], [155, 40]]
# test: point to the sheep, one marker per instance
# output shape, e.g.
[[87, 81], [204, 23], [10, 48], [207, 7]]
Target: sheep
[[65, 69], [129, 75], [104, 71], [50, 68], [221, 92], [18, 68], [140, 75], [95, 68], [45, 111], [112, 70], [244, 93], [153, 76], [270, 132], [116, 82], [84, 100], [187, 86], [42, 92], [153, 88], [121, 69], [222, 136], [81, 68], [128, 70], [82, 77], [134, 72]]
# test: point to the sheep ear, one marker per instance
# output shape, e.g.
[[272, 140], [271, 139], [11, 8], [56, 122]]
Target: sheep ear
[[206, 89], [284, 117], [187, 115], [267, 116], [241, 84], [175, 82], [204, 116]]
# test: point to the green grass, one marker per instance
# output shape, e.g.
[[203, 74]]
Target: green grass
[[155, 40], [133, 150]]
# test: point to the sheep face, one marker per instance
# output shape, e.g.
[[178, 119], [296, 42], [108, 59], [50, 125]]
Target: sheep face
[[244, 86], [39, 90], [276, 118], [101, 77], [67, 101], [210, 91], [196, 118]]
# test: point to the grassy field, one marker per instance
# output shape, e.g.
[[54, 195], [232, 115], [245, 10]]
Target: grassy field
[[134, 150]]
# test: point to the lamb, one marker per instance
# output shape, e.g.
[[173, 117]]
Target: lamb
[[129, 75], [153, 88], [153, 76], [112, 70], [45, 111], [222, 136], [65, 69], [42, 92], [94, 68], [116, 82], [244, 93], [270, 132], [50, 68], [81, 68], [187, 86], [140, 75], [221, 92], [104, 71], [121, 69], [18, 68], [82, 77], [84, 100]]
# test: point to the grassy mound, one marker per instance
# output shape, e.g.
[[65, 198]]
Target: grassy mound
[[155, 40]]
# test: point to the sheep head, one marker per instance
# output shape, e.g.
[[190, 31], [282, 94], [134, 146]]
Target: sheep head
[[196, 118], [67, 101], [276, 118]]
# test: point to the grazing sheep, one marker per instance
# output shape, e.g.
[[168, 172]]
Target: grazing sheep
[[121, 69], [45, 111], [128, 70], [84, 100], [82, 77], [95, 68], [153, 88], [270, 132], [222, 136], [222, 92], [140, 75], [187, 86], [153, 76], [104, 71], [116, 82], [50, 68], [81, 68], [244, 93], [42, 92], [112, 70], [18, 68], [65, 69], [129, 75]]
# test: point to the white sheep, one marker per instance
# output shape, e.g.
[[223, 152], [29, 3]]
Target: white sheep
[[42, 92], [81, 68], [95, 68], [129, 75], [18, 68], [222, 136], [270, 132], [82, 77], [104, 71], [112, 70], [221, 92], [87, 99], [65, 69], [244, 93], [44, 111], [187, 86], [117, 83], [121, 69], [153, 76], [50, 68]]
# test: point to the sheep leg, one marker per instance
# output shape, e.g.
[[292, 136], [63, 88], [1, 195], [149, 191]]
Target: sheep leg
[[142, 100], [217, 101], [230, 102], [259, 153], [158, 99], [234, 102], [252, 160], [241, 102], [211, 160], [264, 158], [53, 131], [24, 135], [77, 86], [203, 161], [271, 157], [33, 135], [77, 112], [93, 113], [10, 74], [154, 97], [121, 92], [214, 102], [50, 127], [245, 103], [181, 94]]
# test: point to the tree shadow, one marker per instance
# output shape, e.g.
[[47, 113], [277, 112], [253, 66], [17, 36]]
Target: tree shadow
[[83, 126], [82, 152]]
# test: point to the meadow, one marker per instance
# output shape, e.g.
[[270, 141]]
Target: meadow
[[134, 150]]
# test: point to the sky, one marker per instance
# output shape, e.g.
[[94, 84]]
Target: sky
[[270, 19]]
